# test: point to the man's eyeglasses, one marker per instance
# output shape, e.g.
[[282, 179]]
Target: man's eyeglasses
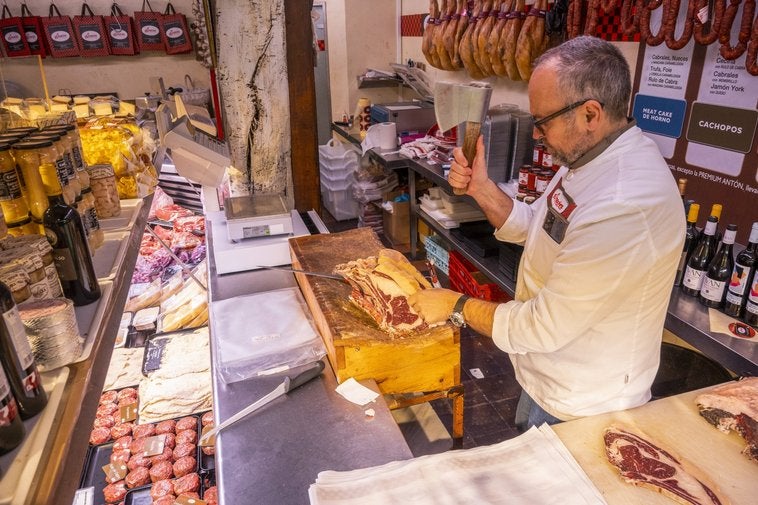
[[539, 123]]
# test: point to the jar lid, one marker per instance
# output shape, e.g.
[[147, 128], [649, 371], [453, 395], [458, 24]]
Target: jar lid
[[23, 222], [25, 129], [12, 136], [13, 277], [53, 135], [66, 127], [4, 145], [29, 143]]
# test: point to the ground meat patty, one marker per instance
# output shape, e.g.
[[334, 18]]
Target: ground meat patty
[[186, 437], [120, 456], [138, 460], [208, 450], [186, 423], [165, 427], [126, 401], [114, 493], [169, 499], [210, 496], [108, 397], [169, 440], [127, 393], [185, 465], [162, 488], [166, 455], [161, 470], [137, 446], [140, 476], [207, 418], [182, 450], [105, 421], [143, 430], [106, 410], [187, 484], [122, 443], [121, 430], [99, 436]]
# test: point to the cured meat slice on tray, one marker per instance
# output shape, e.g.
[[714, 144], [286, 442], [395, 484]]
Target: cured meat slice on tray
[[642, 462], [734, 406]]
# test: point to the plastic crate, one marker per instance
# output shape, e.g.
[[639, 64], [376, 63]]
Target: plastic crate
[[464, 277], [340, 203], [336, 183]]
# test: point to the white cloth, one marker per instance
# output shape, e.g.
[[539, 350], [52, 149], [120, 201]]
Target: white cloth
[[585, 327], [532, 469]]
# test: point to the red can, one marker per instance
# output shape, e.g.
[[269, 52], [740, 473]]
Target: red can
[[537, 155], [523, 178], [543, 179], [547, 160]]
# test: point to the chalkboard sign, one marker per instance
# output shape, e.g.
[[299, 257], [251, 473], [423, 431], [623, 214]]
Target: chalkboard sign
[[153, 354]]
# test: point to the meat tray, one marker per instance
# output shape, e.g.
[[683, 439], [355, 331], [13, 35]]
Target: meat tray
[[138, 496], [93, 476]]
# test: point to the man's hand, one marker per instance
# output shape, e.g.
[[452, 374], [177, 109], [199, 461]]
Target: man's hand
[[434, 305], [466, 176]]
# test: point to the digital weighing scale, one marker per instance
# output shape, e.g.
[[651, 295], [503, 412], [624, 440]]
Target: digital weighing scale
[[256, 216]]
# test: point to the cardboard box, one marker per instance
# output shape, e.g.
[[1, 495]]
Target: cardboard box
[[396, 225]]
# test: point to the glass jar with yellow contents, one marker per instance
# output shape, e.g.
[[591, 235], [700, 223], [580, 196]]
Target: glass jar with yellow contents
[[11, 198], [61, 167], [25, 227], [34, 157], [67, 143]]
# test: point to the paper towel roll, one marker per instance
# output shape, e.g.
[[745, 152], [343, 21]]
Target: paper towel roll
[[382, 136]]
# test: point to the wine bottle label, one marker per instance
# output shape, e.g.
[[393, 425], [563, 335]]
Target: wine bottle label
[[9, 411], [752, 308], [693, 278], [752, 297], [732, 298], [712, 289], [4, 386], [64, 264], [738, 280], [31, 384], [17, 333]]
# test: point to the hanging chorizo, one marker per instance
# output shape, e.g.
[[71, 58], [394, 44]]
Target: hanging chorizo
[[706, 33]]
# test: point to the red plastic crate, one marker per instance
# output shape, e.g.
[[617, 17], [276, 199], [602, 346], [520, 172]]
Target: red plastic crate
[[465, 278]]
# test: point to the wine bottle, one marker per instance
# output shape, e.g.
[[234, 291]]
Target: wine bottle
[[12, 430], [18, 360], [713, 291], [751, 304], [682, 183], [690, 240], [700, 258], [65, 232], [716, 209], [744, 266]]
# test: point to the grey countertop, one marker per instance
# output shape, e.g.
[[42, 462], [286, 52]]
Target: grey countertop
[[275, 454]]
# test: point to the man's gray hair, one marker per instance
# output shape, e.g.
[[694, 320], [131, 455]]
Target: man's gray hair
[[589, 67]]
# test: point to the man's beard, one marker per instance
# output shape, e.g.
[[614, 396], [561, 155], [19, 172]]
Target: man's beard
[[567, 157]]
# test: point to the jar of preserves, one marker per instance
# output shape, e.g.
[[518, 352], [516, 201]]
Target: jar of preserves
[[27, 227], [103, 184], [11, 199], [39, 244], [63, 171], [89, 215], [17, 281], [67, 140], [32, 264], [35, 158]]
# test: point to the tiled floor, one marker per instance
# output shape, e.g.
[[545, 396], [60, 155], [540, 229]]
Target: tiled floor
[[490, 390]]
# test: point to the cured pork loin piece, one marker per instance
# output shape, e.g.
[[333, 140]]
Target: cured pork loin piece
[[532, 40], [643, 463], [381, 286], [734, 406]]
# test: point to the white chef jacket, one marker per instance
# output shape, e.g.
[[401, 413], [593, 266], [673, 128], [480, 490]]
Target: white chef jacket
[[584, 330]]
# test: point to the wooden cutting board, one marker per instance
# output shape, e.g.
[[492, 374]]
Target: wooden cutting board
[[674, 423], [427, 360]]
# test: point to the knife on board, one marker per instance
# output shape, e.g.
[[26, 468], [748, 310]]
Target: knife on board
[[304, 272], [313, 371]]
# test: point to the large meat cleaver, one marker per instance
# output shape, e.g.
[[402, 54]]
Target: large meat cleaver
[[456, 103]]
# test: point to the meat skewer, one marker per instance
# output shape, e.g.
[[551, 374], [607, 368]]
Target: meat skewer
[[481, 23], [532, 39], [509, 41], [427, 41], [678, 43], [728, 51], [717, 8], [484, 36], [497, 34], [466, 48]]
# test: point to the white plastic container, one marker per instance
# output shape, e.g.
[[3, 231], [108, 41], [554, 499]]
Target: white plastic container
[[339, 202]]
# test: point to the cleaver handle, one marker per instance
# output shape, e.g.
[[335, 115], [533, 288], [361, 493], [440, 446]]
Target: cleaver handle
[[469, 147]]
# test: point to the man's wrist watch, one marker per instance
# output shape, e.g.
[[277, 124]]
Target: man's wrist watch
[[457, 317]]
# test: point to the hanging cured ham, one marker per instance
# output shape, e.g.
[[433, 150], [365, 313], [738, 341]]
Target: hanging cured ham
[[509, 40], [482, 56], [466, 48], [532, 40], [460, 30], [497, 33], [427, 43], [447, 9]]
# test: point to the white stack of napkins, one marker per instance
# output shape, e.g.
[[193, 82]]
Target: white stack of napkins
[[533, 468]]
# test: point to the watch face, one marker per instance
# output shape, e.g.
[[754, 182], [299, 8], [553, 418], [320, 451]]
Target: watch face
[[457, 319]]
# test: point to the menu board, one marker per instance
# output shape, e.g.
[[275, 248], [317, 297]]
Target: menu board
[[701, 110]]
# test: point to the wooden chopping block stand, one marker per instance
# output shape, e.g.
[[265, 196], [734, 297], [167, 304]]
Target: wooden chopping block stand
[[409, 369]]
